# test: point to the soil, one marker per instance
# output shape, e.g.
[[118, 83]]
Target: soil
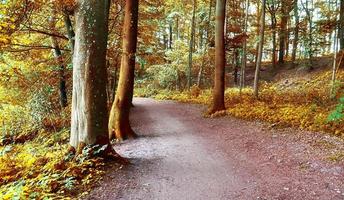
[[181, 155]]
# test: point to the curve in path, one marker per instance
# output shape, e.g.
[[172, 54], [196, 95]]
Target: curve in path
[[181, 155]]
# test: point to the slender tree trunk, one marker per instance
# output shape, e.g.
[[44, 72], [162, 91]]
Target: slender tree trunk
[[341, 24], [283, 31], [244, 51], [287, 39], [209, 30], [119, 124], [334, 69], [236, 66], [310, 33], [62, 85], [191, 46], [171, 36], [177, 28], [89, 108], [70, 31], [296, 31], [260, 50], [200, 33], [59, 61], [220, 58], [273, 27], [335, 53], [205, 50]]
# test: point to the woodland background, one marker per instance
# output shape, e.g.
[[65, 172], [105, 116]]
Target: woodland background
[[300, 83]]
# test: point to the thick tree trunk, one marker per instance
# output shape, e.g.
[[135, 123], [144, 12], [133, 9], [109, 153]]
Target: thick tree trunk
[[296, 31], [62, 85], [244, 49], [89, 109], [70, 31], [260, 50], [191, 45], [119, 124], [220, 58], [115, 83]]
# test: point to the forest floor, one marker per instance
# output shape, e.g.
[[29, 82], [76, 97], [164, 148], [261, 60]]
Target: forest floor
[[182, 155]]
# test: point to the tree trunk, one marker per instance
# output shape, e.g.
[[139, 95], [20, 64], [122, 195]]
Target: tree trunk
[[205, 49], [236, 66], [62, 85], [177, 28], [89, 108], [310, 33], [115, 83], [59, 61], [283, 31], [191, 46], [287, 39], [341, 24], [273, 27], [220, 58], [335, 53], [260, 50], [119, 124], [171, 36], [244, 49], [209, 30], [70, 31], [296, 31]]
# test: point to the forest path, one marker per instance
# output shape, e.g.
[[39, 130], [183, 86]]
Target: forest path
[[181, 155]]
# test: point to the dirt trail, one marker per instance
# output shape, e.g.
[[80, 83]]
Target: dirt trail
[[181, 155]]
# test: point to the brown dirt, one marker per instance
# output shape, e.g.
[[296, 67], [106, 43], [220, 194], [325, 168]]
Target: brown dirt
[[181, 155]]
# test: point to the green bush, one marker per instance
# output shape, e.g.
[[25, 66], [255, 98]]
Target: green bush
[[338, 114]]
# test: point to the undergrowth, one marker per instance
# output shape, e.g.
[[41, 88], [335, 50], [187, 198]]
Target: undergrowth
[[43, 169], [34, 159]]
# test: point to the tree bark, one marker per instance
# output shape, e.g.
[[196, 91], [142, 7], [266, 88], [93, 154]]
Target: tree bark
[[283, 31], [310, 33], [244, 49], [205, 49], [62, 85], [335, 53], [341, 24], [191, 46], [296, 31], [260, 50], [119, 124], [59, 61], [70, 31], [236, 66], [272, 7], [220, 58], [171, 36], [89, 108]]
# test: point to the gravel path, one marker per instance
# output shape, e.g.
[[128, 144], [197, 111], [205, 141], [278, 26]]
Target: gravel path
[[181, 155]]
